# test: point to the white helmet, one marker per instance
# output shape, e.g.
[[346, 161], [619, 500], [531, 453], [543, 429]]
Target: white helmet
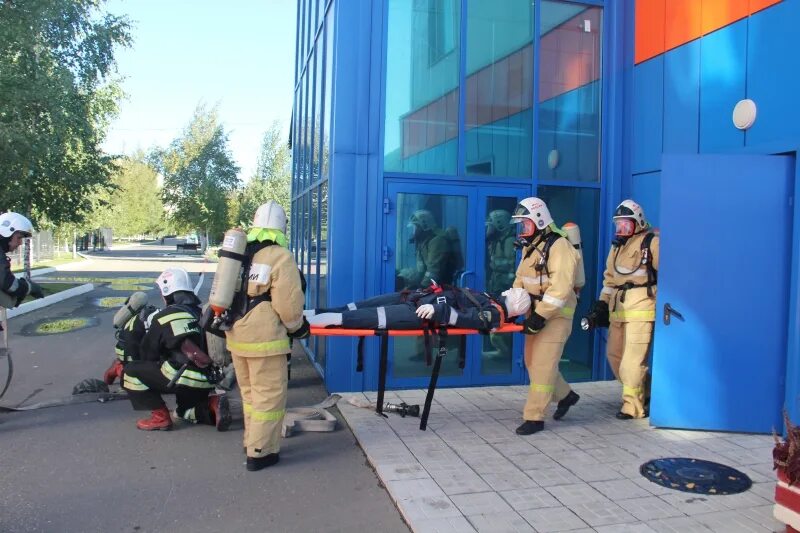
[[174, 280], [13, 222], [533, 214], [629, 209], [518, 301], [270, 215]]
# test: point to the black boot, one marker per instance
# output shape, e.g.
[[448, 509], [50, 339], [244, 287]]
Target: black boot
[[623, 416], [564, 405], [529, 427], [255, 464]]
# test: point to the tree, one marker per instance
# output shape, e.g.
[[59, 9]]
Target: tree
[[134, 207], [199, 174], [272, 180], [56, 62]]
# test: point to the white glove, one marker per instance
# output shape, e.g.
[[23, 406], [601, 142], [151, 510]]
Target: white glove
[[326, 319], [425, 311]]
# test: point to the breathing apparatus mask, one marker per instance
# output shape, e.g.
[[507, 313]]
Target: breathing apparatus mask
[[624, 229], [527, 231]]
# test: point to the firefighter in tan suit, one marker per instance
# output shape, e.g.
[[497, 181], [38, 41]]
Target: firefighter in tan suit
[[260, 340], [547, 271], [628, 302]]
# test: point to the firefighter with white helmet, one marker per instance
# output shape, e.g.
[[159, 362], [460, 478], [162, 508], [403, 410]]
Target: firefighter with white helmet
[[169, 362], [260, 339], [627, 306], [547, 271], [14, 228]]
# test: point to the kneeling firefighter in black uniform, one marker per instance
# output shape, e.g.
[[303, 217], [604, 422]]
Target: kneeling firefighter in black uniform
[[173, 360], [450, 306], [131, 322]]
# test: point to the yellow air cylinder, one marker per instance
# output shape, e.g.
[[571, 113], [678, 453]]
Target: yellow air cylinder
[[574, 237]]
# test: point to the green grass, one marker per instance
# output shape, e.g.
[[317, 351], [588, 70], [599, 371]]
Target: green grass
[[52, 288], [61, 326], [52, 262]]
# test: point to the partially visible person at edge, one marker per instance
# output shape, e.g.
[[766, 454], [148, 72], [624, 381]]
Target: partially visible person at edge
[[14, 228]]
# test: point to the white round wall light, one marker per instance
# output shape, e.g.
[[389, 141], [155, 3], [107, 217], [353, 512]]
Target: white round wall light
[[744, 114], [552, 158]]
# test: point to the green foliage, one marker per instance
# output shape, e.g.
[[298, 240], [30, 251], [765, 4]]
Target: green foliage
[[57, 98], [272, 180], [199, 174], [133, 207]]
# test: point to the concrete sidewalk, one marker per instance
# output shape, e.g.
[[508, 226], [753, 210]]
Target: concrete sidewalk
[[470, 472]]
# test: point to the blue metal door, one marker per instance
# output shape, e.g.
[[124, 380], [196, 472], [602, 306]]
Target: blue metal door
[[721, 318]]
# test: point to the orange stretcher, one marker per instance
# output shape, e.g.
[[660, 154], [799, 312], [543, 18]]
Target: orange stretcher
[[441, 332]]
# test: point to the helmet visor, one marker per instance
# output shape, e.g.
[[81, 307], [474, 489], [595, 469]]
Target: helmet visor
[[624, 227], [521, 211], [526, 227]]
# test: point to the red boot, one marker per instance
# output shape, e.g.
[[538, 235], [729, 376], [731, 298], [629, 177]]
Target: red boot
[[113, 372], [221, 409], [159, 420]]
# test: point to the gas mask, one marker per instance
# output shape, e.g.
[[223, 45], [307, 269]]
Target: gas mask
[[624, 228], [526, 233]]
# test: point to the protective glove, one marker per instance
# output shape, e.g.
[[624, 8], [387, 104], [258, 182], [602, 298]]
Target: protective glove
[[425, 311], [533, 324], [36, 290], [599, 313], [302, 332]]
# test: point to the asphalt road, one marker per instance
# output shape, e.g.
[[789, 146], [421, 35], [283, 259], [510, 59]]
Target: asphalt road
[[87, 468]]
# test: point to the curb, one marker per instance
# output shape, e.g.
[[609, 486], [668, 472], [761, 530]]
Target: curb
[[48, 270], [50, 300]]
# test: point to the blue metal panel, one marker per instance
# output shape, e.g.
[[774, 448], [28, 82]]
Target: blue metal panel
[[773, 81], [722, 367], [648, 115], [793, 342], [682, 99], [646, 190], [723, 65]]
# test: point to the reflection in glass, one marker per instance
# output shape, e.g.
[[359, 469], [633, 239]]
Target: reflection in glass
[[569, 92], [430, 246], [421, 122], [499, 88], [581, 206], [500, 262], [326, 119]]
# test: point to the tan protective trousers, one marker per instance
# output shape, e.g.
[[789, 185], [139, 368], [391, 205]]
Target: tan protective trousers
[[627, 349], [542, 355], [263, 382]]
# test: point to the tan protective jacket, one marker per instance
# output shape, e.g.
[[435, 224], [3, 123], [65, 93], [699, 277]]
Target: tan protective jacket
[[631, 305], [262, 331], [554, 294]]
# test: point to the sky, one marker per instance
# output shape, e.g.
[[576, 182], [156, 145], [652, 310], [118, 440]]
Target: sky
[[237, 55]]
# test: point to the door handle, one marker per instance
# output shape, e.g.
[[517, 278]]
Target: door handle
[[463, 277], [669, 311]]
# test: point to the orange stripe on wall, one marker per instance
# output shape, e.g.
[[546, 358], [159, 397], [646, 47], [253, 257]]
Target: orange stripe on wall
[[682, 22], [662, 25], [719, 13], [649, 29], [758, 5]]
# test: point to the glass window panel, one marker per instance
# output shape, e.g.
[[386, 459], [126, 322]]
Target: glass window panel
[[422, 77], [500, 263], [581, 206], [302, 32], [318, 110], [326, 122], [307, 109], [499, 88], [311, 279], [323, 242], [313, 110], [569, 92], [430, 244]]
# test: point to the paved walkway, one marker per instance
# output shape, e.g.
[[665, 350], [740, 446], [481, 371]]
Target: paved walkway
[[470, 472]]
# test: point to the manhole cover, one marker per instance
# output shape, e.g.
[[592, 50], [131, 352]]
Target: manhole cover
[[696, 476]]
